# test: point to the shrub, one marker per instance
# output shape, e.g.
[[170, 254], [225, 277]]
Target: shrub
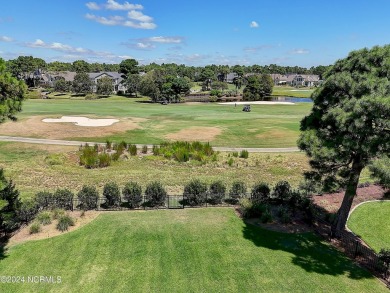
[[245, 208], [244, 154], [57, 213], [64, 222], [63, 199], [282, 191], [44, 199], [89, 157], [88, 198], [266, 217], [112, 194], [195, 192], [132, 192], [132, 149], [104, 160], [235, 154], [108, 144], [27, 210], [230, 162], [217, 192], [155, 194], [260, 192], [384, 256], [144, 149], [284, 215], [156, 150], [35, 228], [237, 191], [44, 218]]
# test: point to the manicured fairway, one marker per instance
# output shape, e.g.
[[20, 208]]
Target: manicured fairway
[[222, 125], [192, 250], [372, 223]]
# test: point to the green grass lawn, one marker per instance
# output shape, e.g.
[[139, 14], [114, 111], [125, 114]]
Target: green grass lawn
[[292, 91], [191, 250], [371, 222], [264, 126]]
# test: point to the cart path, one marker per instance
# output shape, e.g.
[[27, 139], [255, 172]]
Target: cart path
[[78, 143]]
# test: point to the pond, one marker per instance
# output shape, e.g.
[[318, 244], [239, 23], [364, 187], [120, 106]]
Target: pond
[[288, 99]]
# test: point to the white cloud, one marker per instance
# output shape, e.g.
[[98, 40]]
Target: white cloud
[[92, 6], [138, 15], [5, 39], [166, 40], [113, 5], [111, 20], [254, 24], [140, 25], [299, 51], [257, 48]]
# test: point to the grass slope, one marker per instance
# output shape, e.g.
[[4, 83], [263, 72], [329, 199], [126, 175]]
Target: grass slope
[[264, 126], [35, 168], [371, 222], [199, 250]]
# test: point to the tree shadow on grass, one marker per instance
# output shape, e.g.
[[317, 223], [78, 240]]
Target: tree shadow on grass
[[309, 252], [3, 247]]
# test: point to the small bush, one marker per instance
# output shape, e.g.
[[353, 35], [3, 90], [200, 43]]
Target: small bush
[[244, 154], [282, 191], [35, 228], [384, 256], [88, 198], [266, 217], [112, 194], [245, 208], [57, 213], [230, 162], [27, 210], [104, 160], [284, 215], [144, 149], [132, 192], [63, 199], [260, 192], [44, 199], [155, 194], [237, 191], [156, 150], [44, 218], [235, 154], [217, 192], [64, 222], [132, 149], [195, 192]]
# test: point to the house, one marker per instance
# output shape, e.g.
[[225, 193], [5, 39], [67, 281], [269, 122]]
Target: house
[[116, 80], [52, 77], [297, 80]]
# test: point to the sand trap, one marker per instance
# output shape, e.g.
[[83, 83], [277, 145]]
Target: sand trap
[[257, 103], [82, 121]]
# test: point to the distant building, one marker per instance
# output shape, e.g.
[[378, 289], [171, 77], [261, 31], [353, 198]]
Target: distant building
[[48, 79], [297, 80]]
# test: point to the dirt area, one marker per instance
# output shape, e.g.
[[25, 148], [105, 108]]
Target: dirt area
[[35, 127], [294, 227], [203, 134], [50, 230], [332, 201]]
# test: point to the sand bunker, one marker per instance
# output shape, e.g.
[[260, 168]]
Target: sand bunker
[[35, 127], [82, 121], [195, 134]]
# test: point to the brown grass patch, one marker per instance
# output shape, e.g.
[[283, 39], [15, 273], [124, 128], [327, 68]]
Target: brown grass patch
[[35, 127], [275, 133], [195, 134], [50, 230]]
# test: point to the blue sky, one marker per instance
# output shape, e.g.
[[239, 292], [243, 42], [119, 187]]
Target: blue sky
[[246, 32]]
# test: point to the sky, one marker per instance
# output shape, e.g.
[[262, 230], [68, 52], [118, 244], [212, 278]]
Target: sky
[[194, 33]]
